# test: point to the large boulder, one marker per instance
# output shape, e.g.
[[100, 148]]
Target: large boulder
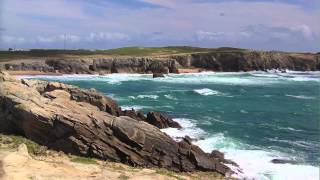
[[161, 121], [158, 75], [72, 120]]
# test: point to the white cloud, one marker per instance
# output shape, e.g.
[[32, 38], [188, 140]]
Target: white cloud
[[304, 29], [73, 38], [106, 36], [165, 3], [12, 39], [205, 35], [58, 38], [185, 22]]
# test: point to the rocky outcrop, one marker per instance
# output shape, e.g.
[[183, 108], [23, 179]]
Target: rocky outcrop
[[161, 121], [158, 75], [245, 60], [250, 60], [86, 123], [284, 161]]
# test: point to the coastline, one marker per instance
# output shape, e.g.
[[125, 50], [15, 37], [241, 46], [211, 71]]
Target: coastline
[[19, 153], [218, 61], [42, 73], [33, 73], [266, 157], [83, 106]]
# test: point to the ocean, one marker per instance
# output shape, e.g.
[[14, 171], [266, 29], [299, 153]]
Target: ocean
[[253, 117]]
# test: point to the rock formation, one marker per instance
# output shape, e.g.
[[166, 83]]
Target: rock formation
[[161, 121], [157, 75], [246, 60], [86, 123]]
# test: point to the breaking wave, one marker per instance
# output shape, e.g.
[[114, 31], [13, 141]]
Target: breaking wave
[[255, 163], [300, 96]]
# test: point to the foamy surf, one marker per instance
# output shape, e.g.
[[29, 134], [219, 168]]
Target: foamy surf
[[189, 128], [208, 92], [300, 96], [144, 97], [137, 108], [254, 163]]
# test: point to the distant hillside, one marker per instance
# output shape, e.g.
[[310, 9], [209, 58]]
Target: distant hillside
[[125, 51]]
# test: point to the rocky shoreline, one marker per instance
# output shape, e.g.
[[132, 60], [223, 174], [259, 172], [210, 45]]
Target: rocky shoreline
[[34, 161], [87, 123], [194, 62]]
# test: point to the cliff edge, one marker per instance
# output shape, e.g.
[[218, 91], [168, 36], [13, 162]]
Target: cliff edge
[[213, 60]]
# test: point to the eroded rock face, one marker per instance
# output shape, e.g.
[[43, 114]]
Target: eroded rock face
[[250, 60], [86, 123], [246, 60]]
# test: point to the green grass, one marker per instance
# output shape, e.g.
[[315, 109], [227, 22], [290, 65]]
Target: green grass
[[14, 141], [83, 160], [169, 174]]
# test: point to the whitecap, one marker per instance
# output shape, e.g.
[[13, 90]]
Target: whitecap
[[168, 96], [303, 144], [256, 163], [244, 111], [136, 107], [189, 128], [267, 95], [148, 96], [289, 129], [144, 97], [207, 92], [300, 96]]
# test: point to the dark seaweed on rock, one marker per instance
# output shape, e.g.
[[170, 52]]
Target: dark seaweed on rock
[[86, 123]]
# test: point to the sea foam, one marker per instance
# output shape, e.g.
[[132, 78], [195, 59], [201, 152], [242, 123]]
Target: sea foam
[[300, 96], [189, 128], [207, 92], [254, 162]]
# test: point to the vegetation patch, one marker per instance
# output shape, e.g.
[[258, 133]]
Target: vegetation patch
[[13, 141], [83, 160], [125, 51], [169, 174]]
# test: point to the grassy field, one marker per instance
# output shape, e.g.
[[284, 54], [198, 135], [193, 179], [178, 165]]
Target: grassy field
[[125, 51]]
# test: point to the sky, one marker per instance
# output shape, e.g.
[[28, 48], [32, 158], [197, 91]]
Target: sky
[[287, 25]]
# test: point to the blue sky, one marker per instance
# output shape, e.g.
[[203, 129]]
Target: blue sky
[[289, 25]]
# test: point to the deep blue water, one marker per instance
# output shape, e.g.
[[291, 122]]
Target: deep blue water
[[252, 117]]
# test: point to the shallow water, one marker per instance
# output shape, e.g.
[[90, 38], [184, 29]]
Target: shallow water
[[253, 117]]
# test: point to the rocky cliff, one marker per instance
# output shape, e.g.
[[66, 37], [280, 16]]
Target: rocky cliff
[[86, 123], [215, 61]]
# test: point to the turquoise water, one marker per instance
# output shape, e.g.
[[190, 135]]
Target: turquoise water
[[253, 117]]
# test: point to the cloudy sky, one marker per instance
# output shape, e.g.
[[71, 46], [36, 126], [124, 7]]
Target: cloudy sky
[[292, 25]]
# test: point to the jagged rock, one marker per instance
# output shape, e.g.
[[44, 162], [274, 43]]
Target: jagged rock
[[161, 121], [69, 66], [217, 154], [283, 161], [82, 122], [157, 75], [134, 114]]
